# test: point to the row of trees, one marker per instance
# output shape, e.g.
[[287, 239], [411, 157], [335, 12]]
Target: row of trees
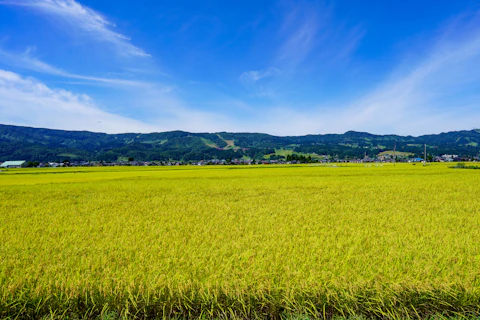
[[301, 158]]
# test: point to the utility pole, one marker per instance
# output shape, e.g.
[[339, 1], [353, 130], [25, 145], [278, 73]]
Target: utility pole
[[425, 154], [394, 153]]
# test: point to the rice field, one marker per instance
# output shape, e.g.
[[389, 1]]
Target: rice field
[[240, 242]]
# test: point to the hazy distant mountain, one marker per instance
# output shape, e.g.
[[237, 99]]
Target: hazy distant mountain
[[35, 144]]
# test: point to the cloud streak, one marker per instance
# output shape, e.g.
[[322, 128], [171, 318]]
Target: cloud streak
[[26, 61], [82, 18], [26, 101], [300, 29], [255, 75], [308, 29], [441, 91]]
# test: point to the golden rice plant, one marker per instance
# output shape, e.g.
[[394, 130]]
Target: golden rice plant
[[240, 242]]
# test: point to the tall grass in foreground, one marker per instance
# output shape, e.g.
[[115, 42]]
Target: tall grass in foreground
[[237, 242]]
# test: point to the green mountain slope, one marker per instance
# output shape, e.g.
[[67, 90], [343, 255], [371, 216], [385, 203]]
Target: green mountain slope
[[36, 144]]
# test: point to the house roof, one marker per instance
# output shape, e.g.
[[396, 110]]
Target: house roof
[[12, 163]]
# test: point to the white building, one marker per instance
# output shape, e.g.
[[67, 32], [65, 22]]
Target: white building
[[13, 164]]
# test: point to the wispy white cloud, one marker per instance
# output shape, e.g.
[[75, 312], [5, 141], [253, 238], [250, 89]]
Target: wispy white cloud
[[82, 18], [251, 80], [24, 60], [310, 41], [299, 31], [309, 29], [26, 101], [440, 91], [27, 61], [255, 75]]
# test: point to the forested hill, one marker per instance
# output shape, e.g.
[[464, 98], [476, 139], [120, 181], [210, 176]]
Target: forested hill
[[35, 144]]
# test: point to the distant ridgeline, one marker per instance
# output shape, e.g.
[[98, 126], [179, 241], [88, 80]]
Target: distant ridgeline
[[34, 144]]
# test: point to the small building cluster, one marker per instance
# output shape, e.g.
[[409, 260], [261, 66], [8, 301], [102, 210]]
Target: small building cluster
[[386, 158]]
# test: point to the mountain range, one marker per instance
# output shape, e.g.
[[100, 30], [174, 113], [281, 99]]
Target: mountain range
[[38, 144]]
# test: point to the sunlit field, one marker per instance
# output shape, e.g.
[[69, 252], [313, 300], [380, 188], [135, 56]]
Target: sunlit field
[[309, 241]]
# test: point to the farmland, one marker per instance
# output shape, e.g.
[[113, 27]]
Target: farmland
[[240, 242]]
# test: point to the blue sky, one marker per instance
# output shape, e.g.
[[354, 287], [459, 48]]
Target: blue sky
[[278, 67]]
